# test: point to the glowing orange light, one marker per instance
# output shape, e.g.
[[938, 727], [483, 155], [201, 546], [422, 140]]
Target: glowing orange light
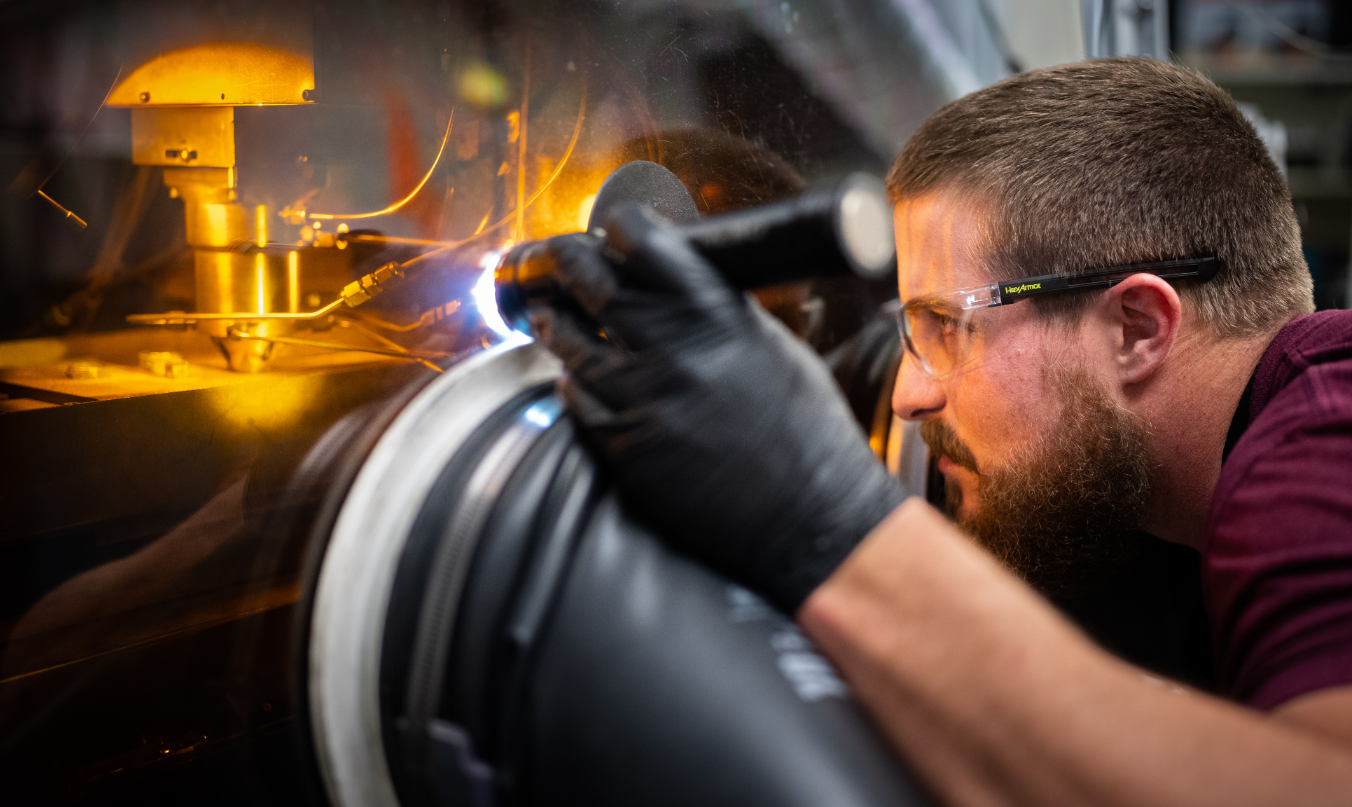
[[261, 279], [584, 211], [293, 281]]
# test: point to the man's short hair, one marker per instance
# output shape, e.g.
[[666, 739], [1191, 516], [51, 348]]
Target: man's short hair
[[1116, 161]]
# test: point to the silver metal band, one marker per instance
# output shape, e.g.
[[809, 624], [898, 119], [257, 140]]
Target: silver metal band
[[368, 539]]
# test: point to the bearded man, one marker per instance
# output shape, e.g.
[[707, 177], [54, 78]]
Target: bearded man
[[1107, 323]]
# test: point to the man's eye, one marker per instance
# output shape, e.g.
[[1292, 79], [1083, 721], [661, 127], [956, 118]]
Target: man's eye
[[937, 318], [946, 324], [956, 332]]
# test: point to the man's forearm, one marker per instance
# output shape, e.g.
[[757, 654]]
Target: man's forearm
[[995, 699]]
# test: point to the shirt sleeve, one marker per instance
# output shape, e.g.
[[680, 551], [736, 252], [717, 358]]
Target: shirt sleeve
[[1278, 565]]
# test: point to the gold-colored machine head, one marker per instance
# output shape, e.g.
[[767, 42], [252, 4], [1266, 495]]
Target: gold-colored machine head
[[183, 119]]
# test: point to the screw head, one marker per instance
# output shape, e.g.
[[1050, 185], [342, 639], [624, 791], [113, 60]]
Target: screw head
[[145, 97]]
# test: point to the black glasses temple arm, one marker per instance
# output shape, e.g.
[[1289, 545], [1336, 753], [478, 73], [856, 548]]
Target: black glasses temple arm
[[1199, 269]]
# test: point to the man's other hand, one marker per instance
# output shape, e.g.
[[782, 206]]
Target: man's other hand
[[724, 432]]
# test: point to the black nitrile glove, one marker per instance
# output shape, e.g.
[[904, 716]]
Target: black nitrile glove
[[725, 433]]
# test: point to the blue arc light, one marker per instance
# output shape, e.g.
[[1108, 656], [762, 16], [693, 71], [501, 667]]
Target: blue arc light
[[486, 298]]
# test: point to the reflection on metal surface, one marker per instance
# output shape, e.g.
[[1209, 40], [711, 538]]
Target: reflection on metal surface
[[164, 363], [216, 74], [184, 136], [368, 539]]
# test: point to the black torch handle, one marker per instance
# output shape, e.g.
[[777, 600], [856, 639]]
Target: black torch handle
[[796, 239], [837, 231]]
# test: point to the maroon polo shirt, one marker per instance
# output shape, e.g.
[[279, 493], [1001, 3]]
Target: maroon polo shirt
[[1277, 562]]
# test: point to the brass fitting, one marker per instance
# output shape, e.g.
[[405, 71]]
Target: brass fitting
[[368, 286]]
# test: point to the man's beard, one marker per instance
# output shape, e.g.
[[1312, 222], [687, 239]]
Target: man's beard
[[1063, 516]]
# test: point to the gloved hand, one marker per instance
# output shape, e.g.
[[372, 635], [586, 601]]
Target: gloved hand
[[725, 433]]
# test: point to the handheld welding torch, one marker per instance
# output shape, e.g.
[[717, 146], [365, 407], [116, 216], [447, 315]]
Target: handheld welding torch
[[839, 230]]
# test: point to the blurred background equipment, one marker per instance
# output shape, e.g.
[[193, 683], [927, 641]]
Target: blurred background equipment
[[1289, 65]]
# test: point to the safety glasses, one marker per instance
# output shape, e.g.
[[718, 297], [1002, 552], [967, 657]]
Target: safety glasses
[[940, 332]]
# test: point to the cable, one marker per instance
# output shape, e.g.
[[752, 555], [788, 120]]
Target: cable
[[433, 315], [444, 138], [419, 356], [482, 231]]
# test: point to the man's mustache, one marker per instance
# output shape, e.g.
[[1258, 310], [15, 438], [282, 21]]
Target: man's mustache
[[944, 442]]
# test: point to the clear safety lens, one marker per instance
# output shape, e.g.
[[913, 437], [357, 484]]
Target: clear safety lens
[[940, 337]]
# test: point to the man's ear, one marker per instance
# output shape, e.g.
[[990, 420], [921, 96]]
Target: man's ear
[[1143, 314]]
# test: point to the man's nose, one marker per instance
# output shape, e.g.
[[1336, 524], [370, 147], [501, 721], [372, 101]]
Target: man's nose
[[916, 395]]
